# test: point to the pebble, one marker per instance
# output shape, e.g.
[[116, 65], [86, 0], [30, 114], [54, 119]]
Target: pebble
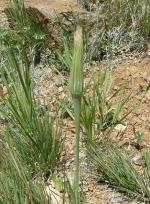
[[138, 160], [60, 89], [120, 127]]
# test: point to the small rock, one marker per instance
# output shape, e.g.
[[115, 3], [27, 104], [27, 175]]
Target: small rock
[[138, 160], [115, 88], [148, 53], [91, 187], [56, 196], [60, 89], [85, 189], [120, 127], [147, 79], [143, 117]]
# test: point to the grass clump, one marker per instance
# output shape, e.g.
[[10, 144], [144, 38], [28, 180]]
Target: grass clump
[[102, 108], [18, 186], [23, 32], [30, 128], [113, 165]]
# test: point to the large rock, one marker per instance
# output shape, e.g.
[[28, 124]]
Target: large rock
[[57, 17]]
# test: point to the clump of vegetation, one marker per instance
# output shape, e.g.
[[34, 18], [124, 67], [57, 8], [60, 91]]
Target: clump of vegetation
[[100, 111], [30, 129], [31, 142], [113, 164], [125, 27], [23, 32], [18, 186]]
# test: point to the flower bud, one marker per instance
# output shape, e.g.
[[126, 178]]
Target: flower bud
[[76, 75]]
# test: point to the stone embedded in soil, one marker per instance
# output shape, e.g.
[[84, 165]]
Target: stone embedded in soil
[[120, 127], [138, 160]]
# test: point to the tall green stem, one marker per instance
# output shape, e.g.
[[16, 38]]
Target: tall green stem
[[76, 90], [77, 112]]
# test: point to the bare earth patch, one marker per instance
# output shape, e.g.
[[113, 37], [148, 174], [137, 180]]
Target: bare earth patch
[[135, 73]]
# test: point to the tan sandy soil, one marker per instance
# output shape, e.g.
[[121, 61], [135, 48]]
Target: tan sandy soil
[[135, 73]]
